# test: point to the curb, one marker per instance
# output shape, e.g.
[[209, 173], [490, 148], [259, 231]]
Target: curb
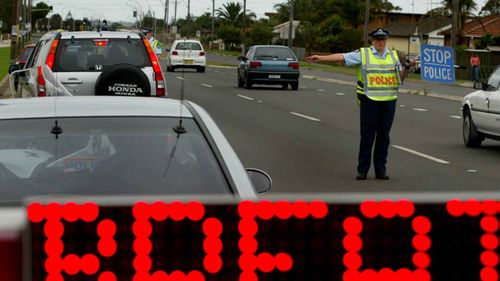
[[402, 91]]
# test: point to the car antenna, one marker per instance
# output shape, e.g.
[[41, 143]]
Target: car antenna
[[179, 129]]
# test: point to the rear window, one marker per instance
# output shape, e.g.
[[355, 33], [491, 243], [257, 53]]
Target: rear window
[[89, 55], [274, 54], [106, 155], [194, 46], [26, 53]]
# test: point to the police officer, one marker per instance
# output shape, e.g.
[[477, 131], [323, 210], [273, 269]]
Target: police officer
[[155, 44], [379, 75]]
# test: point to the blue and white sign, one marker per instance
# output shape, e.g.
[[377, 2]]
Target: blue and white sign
[[437, 64]]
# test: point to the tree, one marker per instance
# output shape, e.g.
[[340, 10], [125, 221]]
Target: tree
[[6, 15], [260, 33], [232, 13], [465, 8], [229, 34], [55, 21], [492, 7], [39, 11]]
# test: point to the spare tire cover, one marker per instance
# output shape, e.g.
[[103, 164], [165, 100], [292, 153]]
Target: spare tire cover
[[123, 80]]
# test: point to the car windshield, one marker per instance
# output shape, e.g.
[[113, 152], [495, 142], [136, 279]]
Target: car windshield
[[105, 155], [89, 54], [188, 46], [274, 54]]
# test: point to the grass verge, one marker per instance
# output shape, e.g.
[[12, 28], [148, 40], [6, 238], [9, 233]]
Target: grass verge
[[4, 61]]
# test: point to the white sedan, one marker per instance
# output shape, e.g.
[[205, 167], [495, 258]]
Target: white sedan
[[481, 112], [117, 146]]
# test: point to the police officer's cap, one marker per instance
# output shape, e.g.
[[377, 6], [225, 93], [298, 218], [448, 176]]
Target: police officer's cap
[[379, 33], [146, 30]]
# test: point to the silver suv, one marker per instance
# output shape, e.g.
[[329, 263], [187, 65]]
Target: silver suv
[[90, 63]]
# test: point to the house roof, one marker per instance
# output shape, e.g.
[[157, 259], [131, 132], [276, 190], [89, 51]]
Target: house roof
[[424, 26], [481, 26], [478, 27]]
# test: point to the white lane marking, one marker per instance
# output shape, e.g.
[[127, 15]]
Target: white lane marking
[[402, 105], [180, 78], [206, 85], [305, 116], [471, 171], [320, 90], [420, 109], [456, 116], [245, 97], [259, 101], [421, 154], [340, 94]]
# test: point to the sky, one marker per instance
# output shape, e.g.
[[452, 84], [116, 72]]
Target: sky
[[121, 10]]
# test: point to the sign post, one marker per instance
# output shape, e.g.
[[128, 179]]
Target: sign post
[[437, 64]]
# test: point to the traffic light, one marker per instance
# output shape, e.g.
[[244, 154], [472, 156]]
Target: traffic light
[[50, 8], [135, 14]]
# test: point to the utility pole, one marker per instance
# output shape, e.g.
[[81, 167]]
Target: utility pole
[[189, 11], [165, 22], [367, 20], [454, 27], [290, 25], [213, 24], [175, 12], [244, 25]]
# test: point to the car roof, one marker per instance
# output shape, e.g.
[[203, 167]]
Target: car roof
[[93, 34], [186, 40], [88, 106], [270, 46], [103, 34]]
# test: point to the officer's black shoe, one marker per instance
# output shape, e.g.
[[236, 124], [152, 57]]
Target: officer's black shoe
[[382, 176], [361, 176]]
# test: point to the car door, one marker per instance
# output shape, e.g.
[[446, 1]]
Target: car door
[[244, 64], [28, 81], [492, 98]]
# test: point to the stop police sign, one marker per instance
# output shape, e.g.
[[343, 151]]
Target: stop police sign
[[437, 64]]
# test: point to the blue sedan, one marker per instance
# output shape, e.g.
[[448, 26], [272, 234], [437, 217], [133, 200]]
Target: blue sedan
[[270, 65]]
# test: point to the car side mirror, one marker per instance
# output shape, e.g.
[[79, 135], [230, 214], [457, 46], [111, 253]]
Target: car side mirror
[[167, 49], [478, 85], [260, 180], [242, 58], [15, 67]]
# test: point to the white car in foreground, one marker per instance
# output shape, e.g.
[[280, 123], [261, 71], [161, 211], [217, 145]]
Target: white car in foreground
[[186, 54], [481, 111], [83, 146]]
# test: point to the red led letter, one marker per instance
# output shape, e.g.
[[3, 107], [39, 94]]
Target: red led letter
[[266, 210], [72, 264], [489, 223], [177, 211], [353, 243]]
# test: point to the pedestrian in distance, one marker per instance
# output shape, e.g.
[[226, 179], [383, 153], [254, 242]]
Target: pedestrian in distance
[[379, 74], [475, 63], [155, 44]]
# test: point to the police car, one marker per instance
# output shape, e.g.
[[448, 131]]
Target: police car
[[480, 111], [90, 63]]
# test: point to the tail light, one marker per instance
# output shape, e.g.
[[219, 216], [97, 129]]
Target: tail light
[[294, 65], [160, 83], [40, 81], [255, 64], [202, 54], [175, 53], [50, 63]]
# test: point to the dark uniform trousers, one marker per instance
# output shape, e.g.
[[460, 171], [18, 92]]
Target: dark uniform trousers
[[375, 121]]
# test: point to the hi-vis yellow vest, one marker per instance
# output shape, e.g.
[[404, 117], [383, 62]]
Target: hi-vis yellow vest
[[378, 78]]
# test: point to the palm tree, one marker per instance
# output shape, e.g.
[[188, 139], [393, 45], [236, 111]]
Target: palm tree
[[465, 8], [232, 13]]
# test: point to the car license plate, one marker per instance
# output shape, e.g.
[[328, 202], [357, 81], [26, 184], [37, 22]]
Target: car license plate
[[274, 76], [188, 61]]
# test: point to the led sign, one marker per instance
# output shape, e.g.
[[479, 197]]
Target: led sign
[[264, 240]]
